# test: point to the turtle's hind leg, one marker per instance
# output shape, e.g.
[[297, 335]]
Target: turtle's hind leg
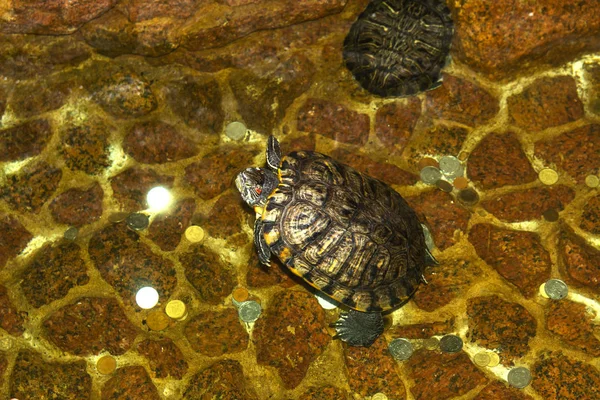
[[359, 328]]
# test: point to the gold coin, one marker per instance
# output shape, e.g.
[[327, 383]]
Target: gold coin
[[482, 359], [176, 309], [542, 291], [592, 181], [240, 294], [106, 365], [548, 176], [494, 359], [461, 182], [157, 320], [379, 396], [431, 343], [194, 234], [428, 162]]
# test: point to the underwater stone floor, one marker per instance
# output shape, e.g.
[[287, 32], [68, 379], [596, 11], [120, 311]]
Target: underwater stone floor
[[100, 101]]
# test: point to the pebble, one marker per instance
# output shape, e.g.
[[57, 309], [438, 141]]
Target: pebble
[[451, 344], [519, 377], [249, 311], [235, 130], [325, 303], [176, 309], [430, 175], [556, 289], [137, 221], [106, 365], [401, 349], [548, 176]]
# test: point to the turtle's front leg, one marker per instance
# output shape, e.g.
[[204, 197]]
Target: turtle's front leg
[[264, 253], [359, 328]]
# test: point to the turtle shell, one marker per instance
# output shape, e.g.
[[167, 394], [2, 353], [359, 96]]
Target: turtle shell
[[398, 47], [346, 234]]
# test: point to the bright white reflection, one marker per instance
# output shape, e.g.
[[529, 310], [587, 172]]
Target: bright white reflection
[[146, 297], [159, 198]]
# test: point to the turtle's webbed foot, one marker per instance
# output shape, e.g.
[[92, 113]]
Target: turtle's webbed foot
[[359, 328]]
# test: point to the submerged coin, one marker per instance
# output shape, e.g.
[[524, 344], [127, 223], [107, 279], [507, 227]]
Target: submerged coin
[[444, 186], [451, 344], [592, 181], [176, 309], [430, 175], [556, 289], [468, 196], [235, 130], [71, 233], [249, 311], [137, 221], [548, 176], [482, 359], [401, 349], [519, 377], [451, 167], [431, 343], [194, 234]]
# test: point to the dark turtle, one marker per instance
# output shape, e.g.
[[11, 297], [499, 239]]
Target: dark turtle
[[346, 234], [398, 47]]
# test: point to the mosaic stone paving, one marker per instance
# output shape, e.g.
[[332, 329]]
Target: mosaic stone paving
[[101, 101]]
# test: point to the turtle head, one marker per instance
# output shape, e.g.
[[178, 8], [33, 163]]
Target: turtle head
[[255, 185]]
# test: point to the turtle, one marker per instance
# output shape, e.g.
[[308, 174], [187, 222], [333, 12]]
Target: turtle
[[349, 236], [399, 47]]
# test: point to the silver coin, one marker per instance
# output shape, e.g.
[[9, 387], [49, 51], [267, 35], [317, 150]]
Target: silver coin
[[235, 130], [249, 311], [556, 289], [71, 233], [430, 175], [401, 349], [137, 221], [519, 377], [451, 167], [451, 344]]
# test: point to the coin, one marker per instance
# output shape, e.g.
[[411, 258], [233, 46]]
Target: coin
[[482, 359], [106, 365], [550, 215], [451, 167], [468, 196], [461, 182], [137, 221], [519, 377], [194, 234], [556, 289], [494, 359], [118, 217], [176, 309], [428, 162], [379, 396], [548, 176], [592, 181], [71, 233], [240, 295], [431, 343], [451, 344], [157, 320], [444, 185], [542, 291], [235, 130], [430, 175], [249, 311], [401, 349]]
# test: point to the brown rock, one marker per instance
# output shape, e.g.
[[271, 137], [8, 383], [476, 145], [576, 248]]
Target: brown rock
[[443, 216], [223, 380], [13, 238], [217, 170], [156, 142], [225, 217], [489, 40], [3, 366], [580, 260], [446, 368], [56, 18], [576, 152], [130, 382], [461, 101], [140, 10], [166, 229], [208, 273], [34, 378], [334, 121], [395, 122], [85, 147], [590, 219], [556, 376], [447, 281], [499, 160], [263, 99], [422, 331], [126, 263], [439, 139], [499, 325], [89, 326], [574, 324], [31, 187], [529, 204], [53, 272], [325, 393], [517, 256], [499, 390], [290, 335], [547, 102], [33, 98], [11, 320], [26, 140], [131, 186], [78, 207], [385, 172], [259, 276], [305, 142], [209, 30], [164, 357], [372, 370], [198, 103], [216, 333]]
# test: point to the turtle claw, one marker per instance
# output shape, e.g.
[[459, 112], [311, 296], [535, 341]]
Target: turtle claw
[[358, 328]]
